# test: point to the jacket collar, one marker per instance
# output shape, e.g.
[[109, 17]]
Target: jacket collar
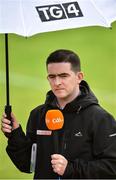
[[85, 99]]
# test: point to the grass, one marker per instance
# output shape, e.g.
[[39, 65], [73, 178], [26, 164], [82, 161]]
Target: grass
[[96, 47]]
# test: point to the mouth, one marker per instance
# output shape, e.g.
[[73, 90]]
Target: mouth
[[59, 89]]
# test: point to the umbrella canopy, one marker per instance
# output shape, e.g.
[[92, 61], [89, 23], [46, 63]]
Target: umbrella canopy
[[30, 17], [27, 18]]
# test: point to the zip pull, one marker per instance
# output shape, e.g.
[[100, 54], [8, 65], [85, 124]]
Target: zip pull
[[78, 110]]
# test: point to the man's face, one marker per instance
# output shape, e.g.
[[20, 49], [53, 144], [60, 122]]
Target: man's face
[[63, 81]]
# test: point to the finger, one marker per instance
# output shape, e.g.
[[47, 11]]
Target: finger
[[6, 125], [57, 159], [55, 156], [54, 162], [6, 128], [53, 166], [5, 121], [4, 115], [57, 170]]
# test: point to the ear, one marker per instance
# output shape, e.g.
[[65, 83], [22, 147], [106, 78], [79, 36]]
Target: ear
[[80, 77]]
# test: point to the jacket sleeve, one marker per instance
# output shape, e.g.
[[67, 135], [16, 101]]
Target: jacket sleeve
[[19, 150], [103, 164], [19, 146]]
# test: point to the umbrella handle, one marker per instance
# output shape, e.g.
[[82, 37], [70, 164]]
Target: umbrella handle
[[8, 110]]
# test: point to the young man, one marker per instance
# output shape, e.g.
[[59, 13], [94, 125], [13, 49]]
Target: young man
[[87, 141]]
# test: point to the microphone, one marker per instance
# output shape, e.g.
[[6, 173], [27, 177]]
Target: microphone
[[54, 121]]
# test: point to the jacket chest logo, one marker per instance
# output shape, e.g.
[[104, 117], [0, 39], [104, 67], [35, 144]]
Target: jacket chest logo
[[44, 132], [78, 134]]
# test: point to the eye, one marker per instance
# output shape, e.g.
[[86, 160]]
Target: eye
[[51, 76], [64, 75]]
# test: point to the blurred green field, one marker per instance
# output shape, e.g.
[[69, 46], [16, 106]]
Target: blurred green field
[[96, 47]]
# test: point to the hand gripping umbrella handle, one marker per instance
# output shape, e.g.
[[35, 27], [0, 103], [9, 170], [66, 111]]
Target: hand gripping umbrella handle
[[8, 110]]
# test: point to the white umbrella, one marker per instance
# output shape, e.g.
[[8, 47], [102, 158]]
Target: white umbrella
[[29, 17]]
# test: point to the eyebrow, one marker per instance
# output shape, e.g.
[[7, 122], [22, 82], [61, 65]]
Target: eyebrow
[[62, 74]]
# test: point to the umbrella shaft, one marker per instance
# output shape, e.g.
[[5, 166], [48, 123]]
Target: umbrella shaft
[[7, 70]]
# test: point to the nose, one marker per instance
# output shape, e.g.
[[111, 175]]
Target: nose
[[57, 81]]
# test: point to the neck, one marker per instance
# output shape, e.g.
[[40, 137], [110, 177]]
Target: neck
[[63, 101]]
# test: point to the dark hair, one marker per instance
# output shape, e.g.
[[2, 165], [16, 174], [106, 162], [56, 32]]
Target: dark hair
[[63, 55]]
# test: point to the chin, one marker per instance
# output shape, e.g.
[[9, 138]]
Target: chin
[[60, 96]]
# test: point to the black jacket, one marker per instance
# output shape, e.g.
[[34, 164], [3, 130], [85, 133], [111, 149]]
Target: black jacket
[[87, 140]]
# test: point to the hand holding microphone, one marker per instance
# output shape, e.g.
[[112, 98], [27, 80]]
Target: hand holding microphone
[[54, 121], [59, 163]]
